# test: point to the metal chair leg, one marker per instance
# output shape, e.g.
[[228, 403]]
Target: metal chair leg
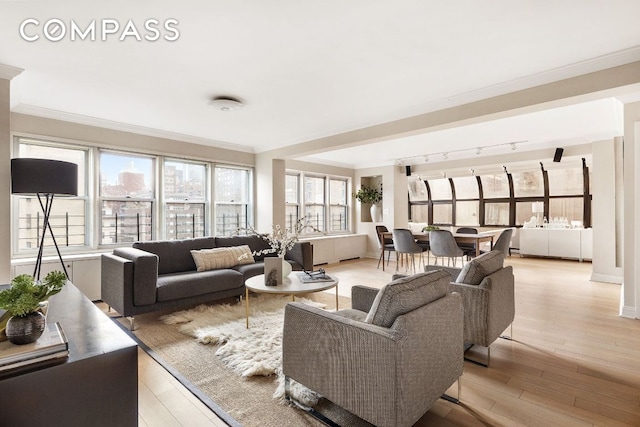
[[452, 399]]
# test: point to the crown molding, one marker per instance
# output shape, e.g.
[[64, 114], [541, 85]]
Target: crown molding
[[7, 72], [48, 113]]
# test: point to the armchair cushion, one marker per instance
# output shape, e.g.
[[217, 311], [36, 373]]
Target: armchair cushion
[[480, 267], [406, 294]]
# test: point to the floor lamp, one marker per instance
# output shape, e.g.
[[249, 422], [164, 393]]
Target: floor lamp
[[44, 178]]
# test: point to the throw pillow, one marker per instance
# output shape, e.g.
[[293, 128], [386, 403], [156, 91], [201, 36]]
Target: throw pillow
[[406, 294], [211, 259], [479, 268]]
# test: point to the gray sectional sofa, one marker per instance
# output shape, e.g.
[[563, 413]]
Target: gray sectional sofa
[[159, 275]]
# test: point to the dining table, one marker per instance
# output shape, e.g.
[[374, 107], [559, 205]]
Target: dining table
[[481, 237]]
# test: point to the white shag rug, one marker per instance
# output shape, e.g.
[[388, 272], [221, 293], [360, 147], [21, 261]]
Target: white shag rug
[[248, 352]]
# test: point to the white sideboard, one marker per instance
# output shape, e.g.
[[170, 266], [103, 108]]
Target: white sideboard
[[332, 249], [560, 243], [83, 270]]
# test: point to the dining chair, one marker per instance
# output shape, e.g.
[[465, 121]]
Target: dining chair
[[384, 244], [469, 249], [405, 245], [503, 242], [444, 245]]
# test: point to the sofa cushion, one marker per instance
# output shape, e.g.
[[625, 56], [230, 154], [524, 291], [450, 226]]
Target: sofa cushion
[[479, 268], [256, 243], [406, 294], [184, 285], [174, 256], [211, 259]]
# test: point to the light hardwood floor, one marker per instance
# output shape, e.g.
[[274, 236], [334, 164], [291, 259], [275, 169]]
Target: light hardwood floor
[[573, 360]]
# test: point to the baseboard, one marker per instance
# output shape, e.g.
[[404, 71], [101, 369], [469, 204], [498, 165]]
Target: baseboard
[[628, 312], [607, 278]]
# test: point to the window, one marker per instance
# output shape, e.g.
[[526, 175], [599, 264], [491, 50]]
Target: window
[[185, 190], [420, 213], [570, 208], [68, 214], [565, 182], [495, 186], [417, 190], [496, 213], [442, 213], [467, 213], [133, 197], [127, 195], [322, 200], [231, 199], [292, 199], [314, 201], [440, 189], [338, 204], [528, 184], [466, 187], [524, 212]]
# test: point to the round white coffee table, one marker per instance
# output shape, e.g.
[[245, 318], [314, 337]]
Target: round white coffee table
[[291, 286]]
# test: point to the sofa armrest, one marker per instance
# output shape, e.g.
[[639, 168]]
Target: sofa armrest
[[362, 297], [302, 253], [116, 283], [145, 274]]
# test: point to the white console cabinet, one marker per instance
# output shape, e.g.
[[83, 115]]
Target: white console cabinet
[[83, 271], [560, 243], [332, 249]]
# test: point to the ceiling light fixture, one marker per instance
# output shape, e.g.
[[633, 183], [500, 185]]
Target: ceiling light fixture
[[445, 156], [426, 158], [225, 103], [513, 146], [478, 150]]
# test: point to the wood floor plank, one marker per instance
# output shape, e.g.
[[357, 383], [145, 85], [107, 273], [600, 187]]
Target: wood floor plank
[[573, 360]]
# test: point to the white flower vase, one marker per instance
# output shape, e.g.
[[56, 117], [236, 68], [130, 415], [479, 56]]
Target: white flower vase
[[286, 268], [374, 213]]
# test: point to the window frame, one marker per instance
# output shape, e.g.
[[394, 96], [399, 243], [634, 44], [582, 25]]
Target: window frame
[[18, 141], [326, 206], [154, 215]]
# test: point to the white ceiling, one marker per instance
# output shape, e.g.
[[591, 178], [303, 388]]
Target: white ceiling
[[306, 70]]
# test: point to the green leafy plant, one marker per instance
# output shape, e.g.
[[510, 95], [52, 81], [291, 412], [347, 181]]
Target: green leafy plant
[[430, 228], [25, 294], [368, 195]]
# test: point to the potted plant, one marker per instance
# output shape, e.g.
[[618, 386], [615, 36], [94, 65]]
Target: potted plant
[[23, 299], [370, 196]]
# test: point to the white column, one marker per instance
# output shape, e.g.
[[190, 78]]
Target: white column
[[5, 180], [631, 285], [605, 219]]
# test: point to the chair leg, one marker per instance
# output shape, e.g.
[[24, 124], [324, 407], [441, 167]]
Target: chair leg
[[510, 336], [381, 258], [452, 399]]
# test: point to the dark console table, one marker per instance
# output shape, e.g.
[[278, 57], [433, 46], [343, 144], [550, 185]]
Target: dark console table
[[97, 385]]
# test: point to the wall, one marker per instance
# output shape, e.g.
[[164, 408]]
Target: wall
[[605, 208], [5, 180], [395, 198]]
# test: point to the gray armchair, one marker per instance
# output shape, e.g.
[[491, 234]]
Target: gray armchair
[[386, 360], [487, 289]]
